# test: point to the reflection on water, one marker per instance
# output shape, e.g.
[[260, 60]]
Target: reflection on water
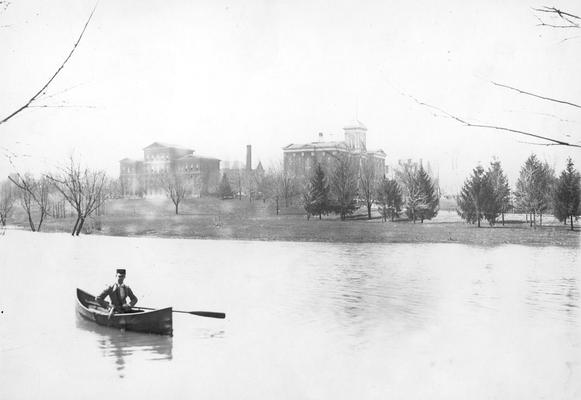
[[205, 333], [366, 290], [554, 296], [121, 345]]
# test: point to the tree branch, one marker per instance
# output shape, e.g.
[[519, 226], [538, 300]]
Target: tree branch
[[60, 106], [536, 95], [495, 127], [42, 90], [570, 38], [562, 15]]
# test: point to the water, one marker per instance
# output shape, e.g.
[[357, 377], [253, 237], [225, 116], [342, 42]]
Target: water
[[304, 320]]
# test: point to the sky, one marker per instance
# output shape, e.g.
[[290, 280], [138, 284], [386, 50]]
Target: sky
[[216, 76]]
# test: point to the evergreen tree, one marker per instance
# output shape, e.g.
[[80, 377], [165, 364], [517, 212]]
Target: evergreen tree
[[317, 196], [534, 188], [475, 197], [568, 194], [423, 202], [390, 199], [500, 193], [225, 190]]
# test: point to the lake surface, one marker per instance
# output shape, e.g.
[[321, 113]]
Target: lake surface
[[304, 320]]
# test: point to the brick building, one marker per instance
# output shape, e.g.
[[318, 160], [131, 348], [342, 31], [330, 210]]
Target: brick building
[[300, 159], [141, 178]]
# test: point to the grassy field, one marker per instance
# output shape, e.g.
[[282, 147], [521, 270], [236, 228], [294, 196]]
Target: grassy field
[[210, 218]]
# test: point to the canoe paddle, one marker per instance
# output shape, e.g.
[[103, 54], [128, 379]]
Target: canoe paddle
[[208, 314]]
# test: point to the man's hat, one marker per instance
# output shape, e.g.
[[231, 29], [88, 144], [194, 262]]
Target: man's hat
[[121, 271]]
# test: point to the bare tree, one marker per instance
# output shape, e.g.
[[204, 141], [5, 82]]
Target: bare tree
[[286, 184], [405, 175], [344, 185], [7, 199], [57, 204], [33, 195], [389, 198], [176, 188], [84, 189], [368, 183]]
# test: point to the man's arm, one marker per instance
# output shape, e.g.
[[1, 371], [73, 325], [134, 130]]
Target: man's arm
[[101, 298], [132, 297]]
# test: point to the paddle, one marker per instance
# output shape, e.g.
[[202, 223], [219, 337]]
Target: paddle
[[208, 314]]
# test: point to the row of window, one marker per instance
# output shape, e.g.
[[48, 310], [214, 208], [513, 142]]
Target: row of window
[[186, 168], [190, 167], [149, 157], [312, 153]]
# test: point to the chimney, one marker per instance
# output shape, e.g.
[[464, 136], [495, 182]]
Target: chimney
[[248, 157]]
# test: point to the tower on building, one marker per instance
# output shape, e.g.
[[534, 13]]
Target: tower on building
[[355, 136]]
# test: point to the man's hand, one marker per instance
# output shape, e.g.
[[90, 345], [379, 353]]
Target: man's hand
[[126, 307]]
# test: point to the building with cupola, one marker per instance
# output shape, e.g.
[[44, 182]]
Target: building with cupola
[[300, 159], [142, 178]]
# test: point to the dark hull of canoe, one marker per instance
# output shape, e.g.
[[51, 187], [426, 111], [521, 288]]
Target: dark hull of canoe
[[157, 321]]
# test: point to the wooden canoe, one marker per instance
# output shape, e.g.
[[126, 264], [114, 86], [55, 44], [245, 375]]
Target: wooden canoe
[[156, 321]]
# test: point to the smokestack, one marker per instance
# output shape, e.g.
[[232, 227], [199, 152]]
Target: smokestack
[[320, 136], [248, 157]]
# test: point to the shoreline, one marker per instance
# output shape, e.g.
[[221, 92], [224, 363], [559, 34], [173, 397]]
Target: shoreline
[[211, 219], [426, 233]]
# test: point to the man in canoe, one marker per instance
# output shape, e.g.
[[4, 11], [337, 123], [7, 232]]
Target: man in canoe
[[118, 294]]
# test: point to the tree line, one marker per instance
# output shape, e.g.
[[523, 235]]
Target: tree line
[[84, 190], [486, 194], [345, 185], [341, 188]]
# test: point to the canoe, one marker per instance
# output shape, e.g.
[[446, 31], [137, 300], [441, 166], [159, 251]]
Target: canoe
[[155, 321]]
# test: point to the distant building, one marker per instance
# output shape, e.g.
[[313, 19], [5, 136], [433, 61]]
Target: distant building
[[243, 179], [300, 159], [141, 177]]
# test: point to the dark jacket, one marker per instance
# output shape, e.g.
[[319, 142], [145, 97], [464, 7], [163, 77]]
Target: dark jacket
[[113, 291]]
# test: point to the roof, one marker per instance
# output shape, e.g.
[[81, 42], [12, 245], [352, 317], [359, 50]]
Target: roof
[[379, 153], [168, 145], [356, 124], [339, 145], [191, 156], [129, 160]]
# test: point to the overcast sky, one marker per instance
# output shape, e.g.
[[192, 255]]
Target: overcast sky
[[216, 76]]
